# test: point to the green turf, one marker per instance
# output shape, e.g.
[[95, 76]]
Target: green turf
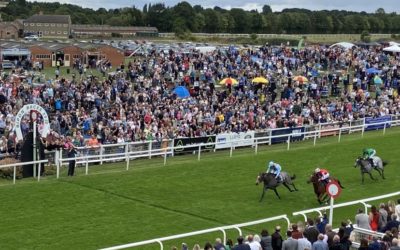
[[112, 206]]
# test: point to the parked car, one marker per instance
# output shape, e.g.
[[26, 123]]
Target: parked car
[[31, 38]]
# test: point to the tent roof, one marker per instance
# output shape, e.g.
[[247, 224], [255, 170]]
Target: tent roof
[[345, 45], [393, 48]]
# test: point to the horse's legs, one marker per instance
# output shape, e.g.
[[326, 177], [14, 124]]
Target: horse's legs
[[362, 178], [295, 189], [380, 171], [262, 195], [370, 175], [383, 176], [276, 192], [287, 186]]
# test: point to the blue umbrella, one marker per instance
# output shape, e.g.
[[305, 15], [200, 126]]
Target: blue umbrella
[[373, 71], [181, 92]]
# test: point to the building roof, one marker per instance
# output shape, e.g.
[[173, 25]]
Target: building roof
[[49, 19], [51, 46], [4, 25]]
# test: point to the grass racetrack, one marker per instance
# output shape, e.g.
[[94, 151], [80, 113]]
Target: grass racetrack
[[111, 206]]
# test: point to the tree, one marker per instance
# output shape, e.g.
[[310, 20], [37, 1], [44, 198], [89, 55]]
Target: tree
[[380, 11], [199, 22], [266, 9], [212, 21], [365, 37], [185, 13], [241, 20]]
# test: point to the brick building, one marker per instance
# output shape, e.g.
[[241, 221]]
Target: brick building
[[48, 26], [9, 30]]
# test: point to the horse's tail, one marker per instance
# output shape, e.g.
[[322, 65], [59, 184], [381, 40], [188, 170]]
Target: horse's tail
[[340, 184], [384, 163], [293, 177]]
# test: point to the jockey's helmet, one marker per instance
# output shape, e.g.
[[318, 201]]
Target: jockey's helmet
[[317, 170], [271, 163], [365, 150]]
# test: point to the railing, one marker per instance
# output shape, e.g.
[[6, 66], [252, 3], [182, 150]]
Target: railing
[[363, 202], [323, 129], [136, 150], [359, 231], [19, 164], [211, 230]]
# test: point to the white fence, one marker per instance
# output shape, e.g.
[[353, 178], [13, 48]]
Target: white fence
[[201, 147], [136, 150], [20, 164], [211, 230], [361, 233], [238, 226]]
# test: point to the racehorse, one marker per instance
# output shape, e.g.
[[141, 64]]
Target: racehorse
[[366, 167], [270, 182], [320, 188]]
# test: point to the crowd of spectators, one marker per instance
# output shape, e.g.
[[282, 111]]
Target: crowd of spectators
[[136, 102], [317, 234]]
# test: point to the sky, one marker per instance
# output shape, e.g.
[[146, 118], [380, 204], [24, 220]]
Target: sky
[[276, 5]]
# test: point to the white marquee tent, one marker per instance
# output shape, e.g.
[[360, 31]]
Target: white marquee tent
[[345, 45], [393, 48]]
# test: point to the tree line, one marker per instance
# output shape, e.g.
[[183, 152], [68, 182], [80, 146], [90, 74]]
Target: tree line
[[184, 17]]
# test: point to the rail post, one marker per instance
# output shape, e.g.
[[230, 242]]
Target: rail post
[[288, 142], [340, 134], [198, 155], [101, 154], [15, 174], [256, 147]]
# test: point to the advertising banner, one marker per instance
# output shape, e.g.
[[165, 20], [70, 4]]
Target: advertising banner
[[370, 122], [296, 134], [179, 143], [235, 140]]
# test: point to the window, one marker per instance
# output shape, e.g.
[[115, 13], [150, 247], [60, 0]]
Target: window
[[52, 25], [58, 24], [32, 24], [59, 32], [46, 32], [65, 32], [8, 33], [65, 25], [26, 24], [46, 24], [38, 24], [43, 57]]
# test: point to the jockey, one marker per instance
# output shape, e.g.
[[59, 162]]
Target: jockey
[[368, 154], [275, 168], [323, 175]]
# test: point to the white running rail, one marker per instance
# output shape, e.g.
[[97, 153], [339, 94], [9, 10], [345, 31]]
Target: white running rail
[[238, 226], [215, 229]]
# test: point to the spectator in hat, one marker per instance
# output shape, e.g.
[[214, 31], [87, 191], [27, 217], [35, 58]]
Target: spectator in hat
[[277, 239]]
